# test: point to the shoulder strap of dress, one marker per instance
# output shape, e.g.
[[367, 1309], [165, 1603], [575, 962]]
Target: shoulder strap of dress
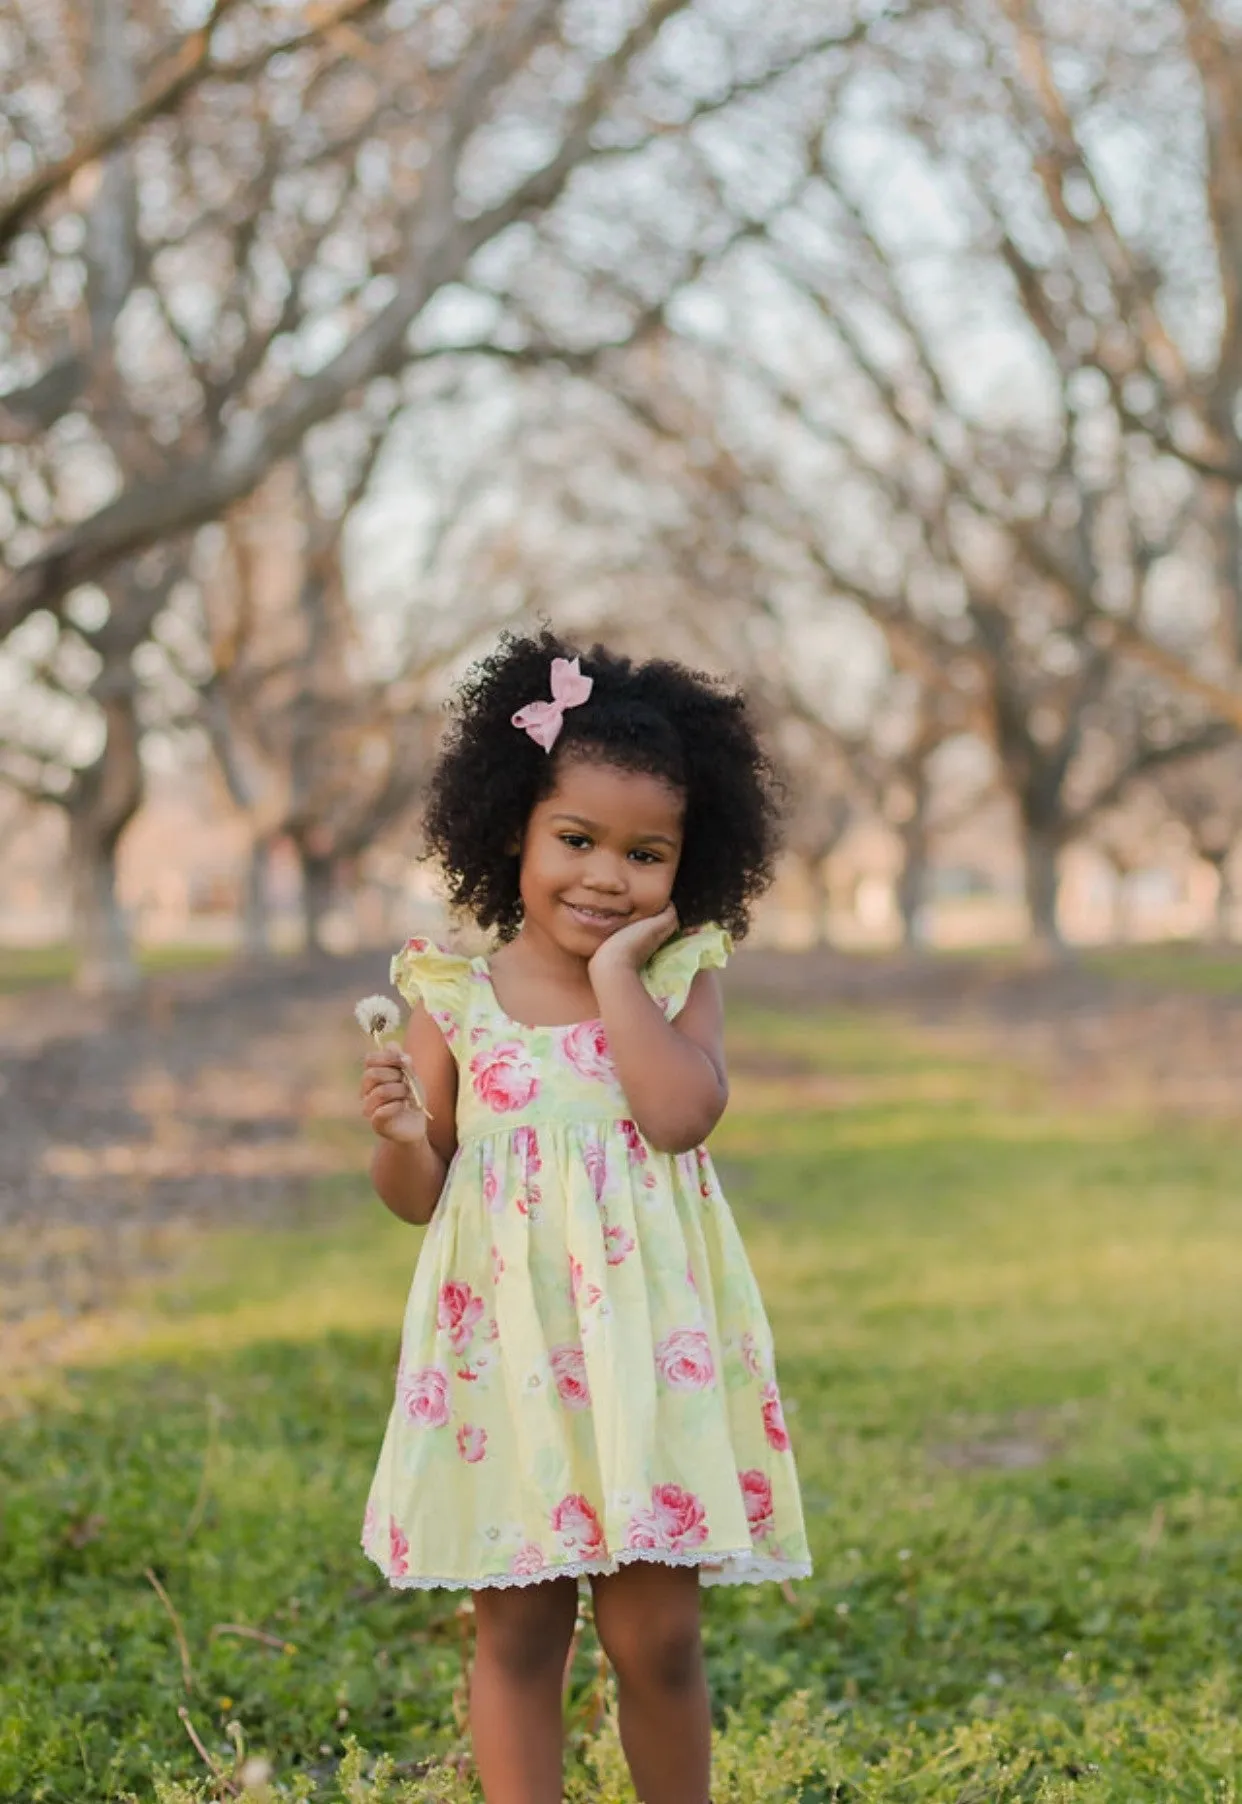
[[441, 980], [669, 973]]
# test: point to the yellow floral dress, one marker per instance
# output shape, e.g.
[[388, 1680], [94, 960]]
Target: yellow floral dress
[[586, 1372]]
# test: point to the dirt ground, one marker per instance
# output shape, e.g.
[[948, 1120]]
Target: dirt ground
[[219, 1098], [126, 1129]]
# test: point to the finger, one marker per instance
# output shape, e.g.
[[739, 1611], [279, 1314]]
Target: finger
[[380, 1094], [382, 1074], [390, 1112], [385, 1093]]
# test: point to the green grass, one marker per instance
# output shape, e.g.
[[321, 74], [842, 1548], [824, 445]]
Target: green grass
[[1010, 1344], [32, 967], [1174, 964]]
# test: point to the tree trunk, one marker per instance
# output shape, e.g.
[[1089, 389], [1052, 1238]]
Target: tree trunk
[[317, 887], [821, 897], [256, 917], [1119, 933], [104, 953], [1226, 899], [912, 885], [100, 805], [1041, 851]]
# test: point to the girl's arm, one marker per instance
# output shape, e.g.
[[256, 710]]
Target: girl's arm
[[672, 1072], [409, 1165]]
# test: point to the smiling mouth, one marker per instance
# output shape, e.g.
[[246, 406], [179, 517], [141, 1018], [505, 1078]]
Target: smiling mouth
[[597, 917]]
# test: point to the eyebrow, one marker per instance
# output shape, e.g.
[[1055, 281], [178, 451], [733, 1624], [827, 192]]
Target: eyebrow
[[579, 820]]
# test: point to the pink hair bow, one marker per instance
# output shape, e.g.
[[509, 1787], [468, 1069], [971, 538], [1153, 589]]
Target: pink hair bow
[[543, 720]]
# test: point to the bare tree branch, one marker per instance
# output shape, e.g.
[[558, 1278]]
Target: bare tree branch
[[189, 66], [439, 245]]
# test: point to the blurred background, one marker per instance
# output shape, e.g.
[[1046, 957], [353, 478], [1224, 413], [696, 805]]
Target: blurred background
[[883, 358]]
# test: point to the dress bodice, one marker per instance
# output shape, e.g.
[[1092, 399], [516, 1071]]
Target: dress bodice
[[511, 1075]]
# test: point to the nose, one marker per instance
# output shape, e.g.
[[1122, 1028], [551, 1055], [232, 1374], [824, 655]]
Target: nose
[[605, 873]]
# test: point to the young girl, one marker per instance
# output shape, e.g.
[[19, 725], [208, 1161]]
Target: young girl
[[586, 1385]]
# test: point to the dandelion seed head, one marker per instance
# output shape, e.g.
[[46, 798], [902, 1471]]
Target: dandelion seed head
[[377, 1015]]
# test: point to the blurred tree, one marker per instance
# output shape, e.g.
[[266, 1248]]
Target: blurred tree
[[915, 340], [71, 726], [1205, 796], [186, 308], [312, 748], [1131, 836], [218, 242]]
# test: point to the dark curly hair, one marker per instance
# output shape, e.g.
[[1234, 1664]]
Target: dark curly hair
[[658, 718]]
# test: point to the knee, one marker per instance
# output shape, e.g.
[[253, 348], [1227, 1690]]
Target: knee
[[661, 1651], [524, 1634]]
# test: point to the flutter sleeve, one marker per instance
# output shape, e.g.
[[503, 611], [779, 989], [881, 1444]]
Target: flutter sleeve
[[668, 974], [424, 972]]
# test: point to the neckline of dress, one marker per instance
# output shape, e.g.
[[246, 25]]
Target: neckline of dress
[[530, 1027]]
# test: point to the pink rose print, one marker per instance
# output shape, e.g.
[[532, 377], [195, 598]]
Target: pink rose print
[[643, 1533], [586, 1294], [491, 1186], [504, 1077], [483, 1357], [750, 1355], [528, 1558], [471, 1443], [459, 1312], [757, 1496], [498, 1265], [774, 1419], [675, 1523], [424, 1397], [398, 1551], [570, 1376], [634, 1143], [595, 1158], [526, 1149], [586, 1049], [684, 1360], [417, 945], [579, 1527], [680, 1515], [445, 1022], [618, 1244], [691, 1280]]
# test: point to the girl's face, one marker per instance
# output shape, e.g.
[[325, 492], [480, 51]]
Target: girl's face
[[600, 851]]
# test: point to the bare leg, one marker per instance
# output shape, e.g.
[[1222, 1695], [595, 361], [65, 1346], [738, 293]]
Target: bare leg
[[647, 1619], [522, 1638]]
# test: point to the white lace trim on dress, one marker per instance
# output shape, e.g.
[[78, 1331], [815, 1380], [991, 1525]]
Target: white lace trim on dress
[[738, 1568]]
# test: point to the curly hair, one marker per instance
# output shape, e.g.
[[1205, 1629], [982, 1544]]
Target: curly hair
[[658, 718]]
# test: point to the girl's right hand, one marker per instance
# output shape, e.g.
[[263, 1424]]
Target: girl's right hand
[[386, 1100]]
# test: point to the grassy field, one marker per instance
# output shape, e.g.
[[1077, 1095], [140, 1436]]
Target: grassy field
[[1010, 1343], [32, 967], [1173, 964]]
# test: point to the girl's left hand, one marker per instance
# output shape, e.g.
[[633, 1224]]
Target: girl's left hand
[[630, 947]]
